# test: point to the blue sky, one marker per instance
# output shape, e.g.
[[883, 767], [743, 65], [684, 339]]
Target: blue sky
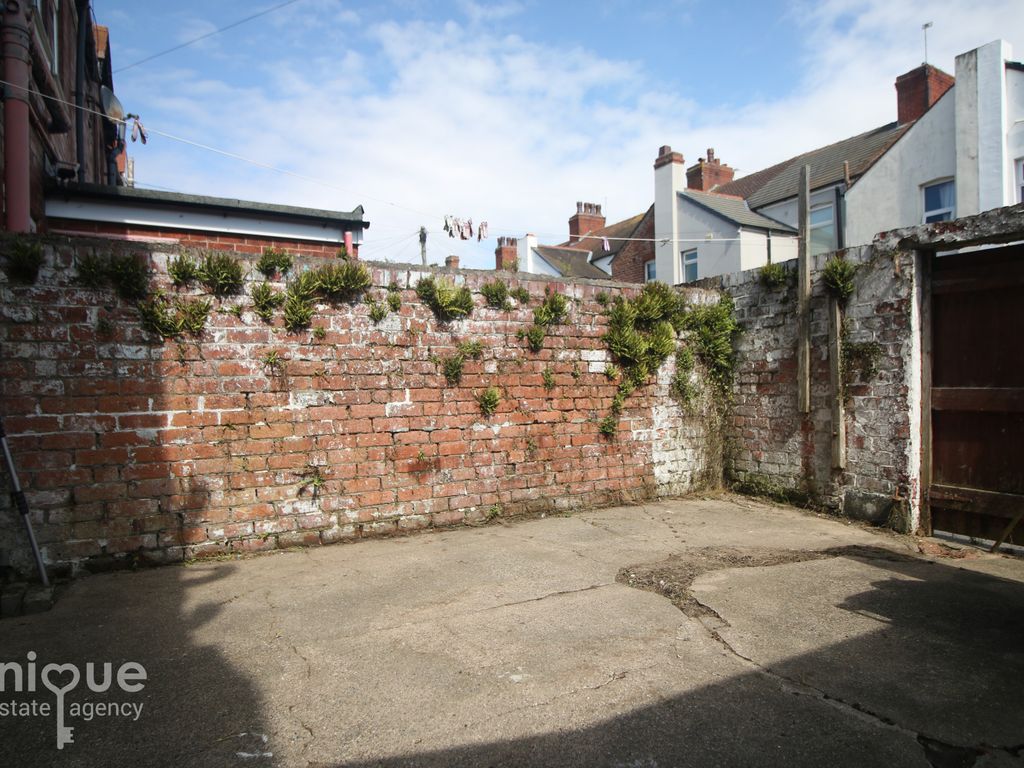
[[508, 111]]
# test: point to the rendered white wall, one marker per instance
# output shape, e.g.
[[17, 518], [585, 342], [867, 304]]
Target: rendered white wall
[[984, 167], [1015, 127], [890, 194], [718, 255], [669, 179]]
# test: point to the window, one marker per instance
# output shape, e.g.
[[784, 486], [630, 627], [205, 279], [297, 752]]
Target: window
[[54, 36], [823, 229], [939, 202], [1019, 180], [650, 271], [47, 19], [689, 266]]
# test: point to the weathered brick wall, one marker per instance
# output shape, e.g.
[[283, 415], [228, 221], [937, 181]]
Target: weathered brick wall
[[771, 441], [132, 449]]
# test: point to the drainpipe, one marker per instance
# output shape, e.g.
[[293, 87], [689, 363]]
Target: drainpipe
[[769, 246], [15, 42], [348, 245], [83, 29]]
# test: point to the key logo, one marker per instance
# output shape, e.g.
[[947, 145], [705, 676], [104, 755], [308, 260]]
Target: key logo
[[60, 679]]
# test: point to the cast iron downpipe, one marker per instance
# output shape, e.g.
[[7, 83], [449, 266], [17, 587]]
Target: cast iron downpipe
[[15, 42], [82, 7]]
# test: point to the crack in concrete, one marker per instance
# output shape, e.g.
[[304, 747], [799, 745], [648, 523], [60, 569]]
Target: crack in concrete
[[938, 753]]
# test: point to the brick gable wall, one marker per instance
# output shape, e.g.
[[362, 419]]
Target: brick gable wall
[[628, 265]]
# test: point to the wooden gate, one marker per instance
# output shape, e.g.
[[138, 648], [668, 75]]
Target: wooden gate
[[974, 380]]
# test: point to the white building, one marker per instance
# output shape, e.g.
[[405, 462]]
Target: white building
[[956, 149]]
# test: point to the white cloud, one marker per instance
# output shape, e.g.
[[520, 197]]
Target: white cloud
[[443, 117]]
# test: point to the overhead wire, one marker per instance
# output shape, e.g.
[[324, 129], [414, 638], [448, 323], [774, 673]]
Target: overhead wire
[[194, 40], [329, 185]]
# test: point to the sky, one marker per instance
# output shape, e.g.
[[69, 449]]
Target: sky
[[512, 111]]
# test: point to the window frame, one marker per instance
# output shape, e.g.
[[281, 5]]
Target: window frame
[[650, 270], [688, 258], [1018, 178], [951, 210], [831, 223]]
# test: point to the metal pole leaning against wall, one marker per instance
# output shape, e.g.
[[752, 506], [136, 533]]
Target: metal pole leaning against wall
[[22, 505]]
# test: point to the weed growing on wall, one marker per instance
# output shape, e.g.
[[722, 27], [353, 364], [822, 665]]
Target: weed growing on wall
[[714, 328], [552, 310], [838, 276], [682, 388], [221, 273], [183, 270], [298, 310], [452, 366], [773, 276], [520, 294], [170, 319], [394, 297], [488, 400], [549, 378], [265, 299], [447, 301], [274, 261], [129, 276], [496, 294], [347, 281], [858, 360], [22, 259]]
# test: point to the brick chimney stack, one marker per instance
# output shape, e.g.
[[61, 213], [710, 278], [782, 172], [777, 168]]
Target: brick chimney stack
[[708, 173], [918, 89], [452, 262], [667, 156], [588, 217], [506, 255]]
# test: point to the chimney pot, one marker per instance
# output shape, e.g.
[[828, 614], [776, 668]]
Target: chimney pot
[[708, 173], [452, 262], [588, 218]]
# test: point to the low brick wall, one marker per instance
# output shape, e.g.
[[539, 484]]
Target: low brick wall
[[134, 450], [771, 443]]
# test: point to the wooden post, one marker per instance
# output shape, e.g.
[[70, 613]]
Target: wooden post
[[835, 360], [803, 344], [924, 259]]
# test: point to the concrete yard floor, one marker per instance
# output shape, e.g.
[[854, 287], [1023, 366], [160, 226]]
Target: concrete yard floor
[[524, 644]]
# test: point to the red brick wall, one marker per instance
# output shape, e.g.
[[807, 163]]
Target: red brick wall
[[628, 265], [918, 89], [195, 239], [132, 450]]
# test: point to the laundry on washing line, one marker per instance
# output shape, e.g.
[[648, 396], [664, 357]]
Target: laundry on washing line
[[462, 229]]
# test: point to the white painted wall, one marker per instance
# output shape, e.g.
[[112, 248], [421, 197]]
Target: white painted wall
[[669, 180], [890, 194], [531, 261], [604, 264], [714, 238], [784, 247], [984, 166], [788, 212], [1014, 127]]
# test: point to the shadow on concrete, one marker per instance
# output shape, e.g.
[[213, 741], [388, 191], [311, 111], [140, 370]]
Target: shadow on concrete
[[938, 684], [197, 707]]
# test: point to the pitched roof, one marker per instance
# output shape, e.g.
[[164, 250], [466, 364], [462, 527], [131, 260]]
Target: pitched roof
[[733, 209], [781, 181], [571, 262], [616, 233]]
